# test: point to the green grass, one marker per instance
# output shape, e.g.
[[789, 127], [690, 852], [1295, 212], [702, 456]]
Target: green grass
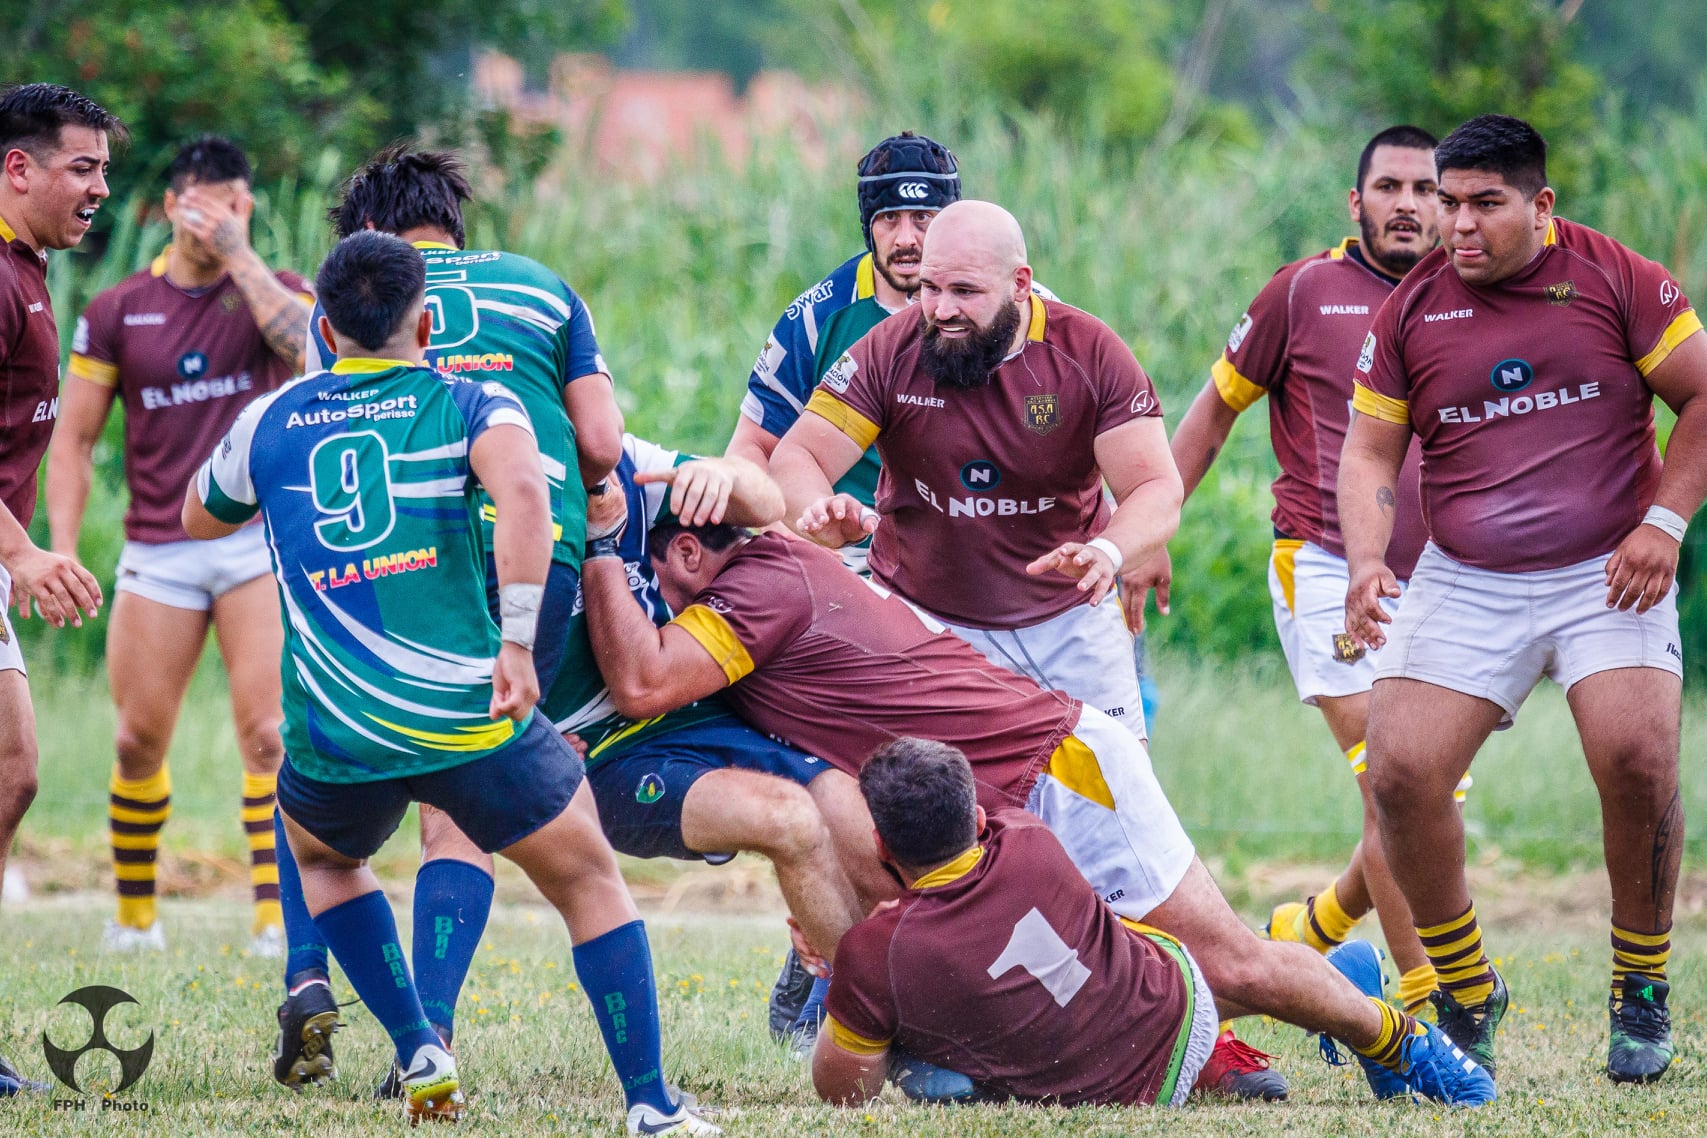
[[530, 1052]]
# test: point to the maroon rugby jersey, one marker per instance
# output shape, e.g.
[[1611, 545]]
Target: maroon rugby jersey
[[185, 363], [977, 484], [29, 372], [1005, 966], [839, 666], [1297, 344], [1529, 397]]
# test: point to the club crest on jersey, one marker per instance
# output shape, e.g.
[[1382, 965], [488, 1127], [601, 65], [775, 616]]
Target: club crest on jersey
[[231, 302], [1560, 295], [1042, 413], [1347, 650], [651, 789], [1366, 358], [1240, 331], [1511, 375]]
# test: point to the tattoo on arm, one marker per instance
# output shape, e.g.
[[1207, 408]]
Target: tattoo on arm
[[280, 316], [1384, 498]]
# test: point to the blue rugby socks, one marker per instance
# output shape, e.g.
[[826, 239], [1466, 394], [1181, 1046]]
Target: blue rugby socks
[[452, 901], [307, 948], [812, 1011], [616, 971], [363, 936]]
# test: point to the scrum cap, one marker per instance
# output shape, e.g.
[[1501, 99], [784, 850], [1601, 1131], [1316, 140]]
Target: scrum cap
[[905, 171]]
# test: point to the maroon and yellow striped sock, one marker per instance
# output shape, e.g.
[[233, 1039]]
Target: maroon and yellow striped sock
[[136, 811], [1325, 924], [259, 794], [1638, 954], [1395, 1027], [1455, 950]]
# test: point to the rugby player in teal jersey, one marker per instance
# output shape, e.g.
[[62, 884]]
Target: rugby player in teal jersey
[[498, 316], [399, 687]]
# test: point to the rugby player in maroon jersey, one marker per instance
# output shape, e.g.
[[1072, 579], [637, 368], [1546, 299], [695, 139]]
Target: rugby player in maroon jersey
[[184, 345], [1525, 355], [1296, 344], [54, 154]]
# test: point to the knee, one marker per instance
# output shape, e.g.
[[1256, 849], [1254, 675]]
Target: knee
[[1236, 976], [794, 829], [140, 749], [16, 794], [263, 749]]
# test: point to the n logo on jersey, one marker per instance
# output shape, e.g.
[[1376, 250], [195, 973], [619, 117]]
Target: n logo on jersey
[[1511, 375], [192, 365], [1036, 947], [980, 474], [1042, 413]]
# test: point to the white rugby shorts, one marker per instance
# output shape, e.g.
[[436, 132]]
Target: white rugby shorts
[[1308, 586], [1494, 635], [1085, 652], [11, 659], [1099, 796], [192, 574]]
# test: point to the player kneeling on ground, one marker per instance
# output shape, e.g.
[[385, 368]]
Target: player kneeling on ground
[[400, 688], [1000, 961]]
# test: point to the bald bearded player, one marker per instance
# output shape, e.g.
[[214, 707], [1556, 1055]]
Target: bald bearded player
[[998, 415], [811, 653]]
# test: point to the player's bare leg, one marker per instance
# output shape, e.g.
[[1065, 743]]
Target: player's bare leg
[[152, 650], [847, 818], [17, 756], [728, 810], [1629, 723], [1422, 738], [251, 636]]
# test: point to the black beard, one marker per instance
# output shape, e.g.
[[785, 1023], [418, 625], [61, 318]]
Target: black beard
[[1397, 262], [968, 363], [882, 268]]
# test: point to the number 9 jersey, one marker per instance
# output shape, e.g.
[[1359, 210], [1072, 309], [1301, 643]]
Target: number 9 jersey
[[372, 517]]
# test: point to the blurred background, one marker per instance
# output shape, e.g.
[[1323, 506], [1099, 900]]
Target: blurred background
[[688, 166]]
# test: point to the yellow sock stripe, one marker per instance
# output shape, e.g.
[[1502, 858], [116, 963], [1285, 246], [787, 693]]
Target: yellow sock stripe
[[1354, 756], [141, 817], [142, 871], [156, 785], [1463, 921], [1654, 939], [1470, 943], [257, 813], [1638, 959], [263, 875], [266, 913], [136, 841], [136, 912], [255, 785], [1330, 915], [1415, 986]]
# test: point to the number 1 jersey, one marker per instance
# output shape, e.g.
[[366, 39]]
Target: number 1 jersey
[[372, 515]]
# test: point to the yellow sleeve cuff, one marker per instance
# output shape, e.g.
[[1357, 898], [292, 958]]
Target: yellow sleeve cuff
[[844, 418], [851, 1041], [716, 637], [1236, 391], [1680, 329], [1378, 406], [102, 372]]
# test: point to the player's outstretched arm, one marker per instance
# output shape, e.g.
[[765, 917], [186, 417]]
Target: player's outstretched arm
[[847, 1078], [751, 442], [1201, 435], [83, 410], [280, 314], [1369, 477], [806, 464], [1641, 570], [590, 401], [709, 491]]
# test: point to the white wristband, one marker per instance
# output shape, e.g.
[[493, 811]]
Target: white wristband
[[868, 512], [518, 613], [1669, 522], [1109, 548]]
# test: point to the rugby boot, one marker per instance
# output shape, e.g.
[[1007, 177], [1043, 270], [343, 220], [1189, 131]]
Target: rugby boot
[[687, 1119], [1237, 1070], [1640, 1048], [1286, 922], [1360, 962], [392, 1085], [431, 1089], [928, 1083], [788, 996], [123, 938], [1436, 1068], [1473, 1029], [13, 1083], [307, 1019]]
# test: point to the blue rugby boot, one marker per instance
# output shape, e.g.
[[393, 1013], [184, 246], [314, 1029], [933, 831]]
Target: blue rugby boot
[[1360, 962]]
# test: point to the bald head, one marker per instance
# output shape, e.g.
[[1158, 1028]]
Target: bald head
[[975, 232]]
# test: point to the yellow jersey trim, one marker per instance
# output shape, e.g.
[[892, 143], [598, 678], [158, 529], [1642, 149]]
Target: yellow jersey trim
[[6, 232], [481, 737], [1143, 929], [1286, 569], [1552, 237], [1378, 406], [852, 1041], [865, 278], [1074, 765], [368, 365], [489, 513], [95, 371], [157, 267], [433, 245], [1039, 319], [1236, 391], [1685, 325], [713, 633], [845, 419], [1338, 252], [950, 872]]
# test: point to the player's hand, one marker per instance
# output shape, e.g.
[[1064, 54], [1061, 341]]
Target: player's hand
[[1135, 585], [700, 489], [1364, 615], [1640, 571], [836, 521], [515, 685], [61, 589], [809, 957], [607, 509], [220, 229], [577, 744], [1093, 568]]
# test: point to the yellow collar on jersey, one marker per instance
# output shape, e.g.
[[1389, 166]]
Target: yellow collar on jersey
[[6, 233], [1552, 233], [432, 245], [1339, 251], [953, 871], [1038, 319], [368, 365], [157, 267], [865, 278]]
